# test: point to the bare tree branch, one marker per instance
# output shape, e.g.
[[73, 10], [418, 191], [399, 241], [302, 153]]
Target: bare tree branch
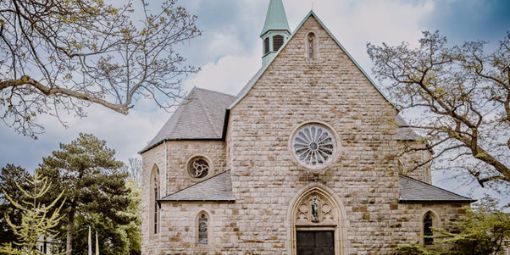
[[463, 96], [57, 57]]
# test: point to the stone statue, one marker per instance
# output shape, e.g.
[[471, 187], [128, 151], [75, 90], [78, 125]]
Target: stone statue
[[315, 209]]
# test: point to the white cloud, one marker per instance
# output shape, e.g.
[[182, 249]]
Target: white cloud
[[223, 43], [228, 75], [126, 134], [354, 23]]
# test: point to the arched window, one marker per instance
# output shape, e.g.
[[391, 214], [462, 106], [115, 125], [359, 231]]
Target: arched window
[[266, 45], [311, 47], [428, 224], [277, 42], [203, 228], [155, 192]]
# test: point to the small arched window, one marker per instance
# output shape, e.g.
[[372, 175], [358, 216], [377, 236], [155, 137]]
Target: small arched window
[[155, 191], [203, 228], [428, 224], [277, 42], [266, 45], [311, 47]]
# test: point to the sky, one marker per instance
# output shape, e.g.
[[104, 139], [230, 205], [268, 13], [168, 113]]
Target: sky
[[229, 54]]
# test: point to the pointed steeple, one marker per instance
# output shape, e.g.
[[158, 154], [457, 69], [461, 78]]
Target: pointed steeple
[[276, 30], [276, 19]]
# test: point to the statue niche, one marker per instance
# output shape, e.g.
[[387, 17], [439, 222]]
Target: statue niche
[[315, 209]]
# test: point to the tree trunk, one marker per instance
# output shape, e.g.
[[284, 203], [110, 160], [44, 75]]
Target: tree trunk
[[69, 243], [70, 231]]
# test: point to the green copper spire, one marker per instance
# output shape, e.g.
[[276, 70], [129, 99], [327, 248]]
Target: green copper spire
[[276, 30], [276, 18]]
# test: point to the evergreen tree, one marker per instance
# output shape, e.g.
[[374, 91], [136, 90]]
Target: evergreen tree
[[9, 176], [114, 239], [37, 218], [95, 187]]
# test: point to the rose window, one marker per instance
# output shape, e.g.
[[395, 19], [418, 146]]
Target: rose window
[[198, 167], [313, 145]]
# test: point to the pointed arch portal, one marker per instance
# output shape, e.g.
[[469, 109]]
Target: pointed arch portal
[[317, 223]]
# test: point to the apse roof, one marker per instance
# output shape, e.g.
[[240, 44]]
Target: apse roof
[[200, 117]]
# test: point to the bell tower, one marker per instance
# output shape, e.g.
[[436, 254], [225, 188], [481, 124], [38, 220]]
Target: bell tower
[[275, 32]]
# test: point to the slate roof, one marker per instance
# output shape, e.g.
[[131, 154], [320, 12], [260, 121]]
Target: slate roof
[[219, 188], [412, 190], [201, 116], [216, 188]]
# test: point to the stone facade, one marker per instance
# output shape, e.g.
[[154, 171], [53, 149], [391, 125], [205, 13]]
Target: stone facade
[[358, 194]]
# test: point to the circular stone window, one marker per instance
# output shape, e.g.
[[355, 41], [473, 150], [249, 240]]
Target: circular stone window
[[198, 167], [313, 145]]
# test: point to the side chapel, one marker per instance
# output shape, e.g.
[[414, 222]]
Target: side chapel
[[302, 161]]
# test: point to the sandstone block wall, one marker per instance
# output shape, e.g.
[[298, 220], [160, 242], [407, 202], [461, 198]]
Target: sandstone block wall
[[152, 158], [364, 179], [408, 225], [173, 177], [294, 91], [408, 161], [179, 152]]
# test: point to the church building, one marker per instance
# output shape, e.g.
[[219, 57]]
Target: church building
[[304, 160]]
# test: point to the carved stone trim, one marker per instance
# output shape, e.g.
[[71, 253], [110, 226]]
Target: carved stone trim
[[316, 209]]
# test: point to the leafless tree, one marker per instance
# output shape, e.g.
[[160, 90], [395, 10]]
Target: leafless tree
[[134, 168], [57, 57], [460, 99]]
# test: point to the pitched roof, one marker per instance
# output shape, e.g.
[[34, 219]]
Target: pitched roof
[[216, 188], [201, 116], [276, 19], [412, 190]]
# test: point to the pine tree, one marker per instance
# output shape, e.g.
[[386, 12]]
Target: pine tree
[[37, 218], [95, 185]]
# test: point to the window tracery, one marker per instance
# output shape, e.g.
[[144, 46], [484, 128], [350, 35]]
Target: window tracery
[[313, 145], [198, 167], [203, 229], [154, 199]]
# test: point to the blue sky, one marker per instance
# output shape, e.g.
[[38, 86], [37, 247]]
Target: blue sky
[[229, 54]]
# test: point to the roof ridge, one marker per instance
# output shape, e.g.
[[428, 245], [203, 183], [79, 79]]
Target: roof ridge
[[195, 184], [428, 184]]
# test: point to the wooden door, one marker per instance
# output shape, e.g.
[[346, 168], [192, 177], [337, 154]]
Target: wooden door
[[315, 242]]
